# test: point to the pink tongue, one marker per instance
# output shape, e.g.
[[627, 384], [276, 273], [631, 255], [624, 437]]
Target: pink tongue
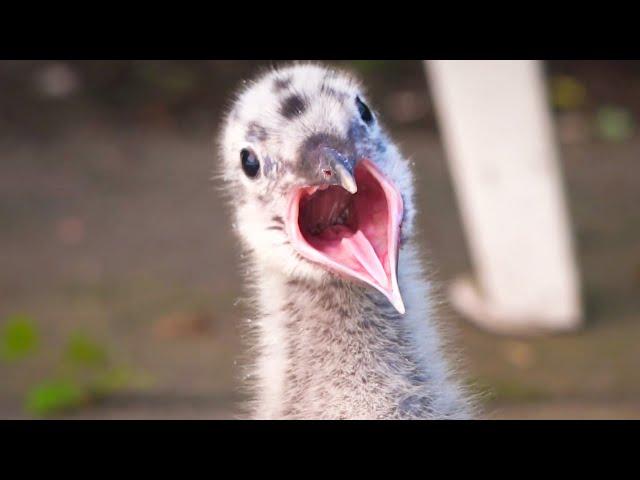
[[360, 247]]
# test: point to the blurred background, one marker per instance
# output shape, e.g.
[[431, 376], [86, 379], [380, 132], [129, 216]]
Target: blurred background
[[120, 285]]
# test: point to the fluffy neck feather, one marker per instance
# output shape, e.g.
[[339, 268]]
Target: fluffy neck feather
[[338, 350]]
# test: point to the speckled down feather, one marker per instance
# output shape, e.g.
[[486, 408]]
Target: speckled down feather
[[325, 347]]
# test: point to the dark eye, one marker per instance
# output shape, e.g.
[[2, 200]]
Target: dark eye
[[365, 113], [250, 163]]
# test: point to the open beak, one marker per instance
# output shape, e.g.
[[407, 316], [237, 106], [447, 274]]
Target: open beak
[[349, 222]]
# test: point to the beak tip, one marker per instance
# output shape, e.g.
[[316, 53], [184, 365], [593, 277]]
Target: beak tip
[[400, 308], [345, 179], [396, 300], [348, 183]]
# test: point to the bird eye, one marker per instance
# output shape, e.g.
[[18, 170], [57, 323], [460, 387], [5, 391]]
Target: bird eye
[[250, 163], [365, 113]]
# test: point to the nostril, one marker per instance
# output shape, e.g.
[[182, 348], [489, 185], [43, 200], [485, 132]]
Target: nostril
[[327, 173]]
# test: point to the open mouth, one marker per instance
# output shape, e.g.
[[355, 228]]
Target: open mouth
[[355, 235]]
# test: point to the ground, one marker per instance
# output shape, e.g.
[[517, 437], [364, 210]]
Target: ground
[[118, 231], [155, 243]]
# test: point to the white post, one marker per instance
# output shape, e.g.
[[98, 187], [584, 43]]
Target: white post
[[498, 136]]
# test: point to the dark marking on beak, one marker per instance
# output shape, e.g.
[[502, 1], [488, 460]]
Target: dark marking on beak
[[337, 169], [328, 160]]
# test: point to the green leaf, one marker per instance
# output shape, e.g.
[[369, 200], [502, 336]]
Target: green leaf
[[54, 396], [19, 338], [84, 352]]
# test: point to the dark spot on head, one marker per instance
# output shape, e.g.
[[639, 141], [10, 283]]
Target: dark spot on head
[[332, 92], [256, 133], [329, 74], [292, 106], [281, 83]]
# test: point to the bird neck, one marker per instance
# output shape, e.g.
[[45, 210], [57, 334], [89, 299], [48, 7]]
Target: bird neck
[[334, 349]]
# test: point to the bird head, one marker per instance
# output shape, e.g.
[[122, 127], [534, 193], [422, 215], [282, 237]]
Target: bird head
[[316, 187]]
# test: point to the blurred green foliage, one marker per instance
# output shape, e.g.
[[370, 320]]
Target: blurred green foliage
[[567, 93], [19, 338], [65, 394], [614, 124], [117, 379], [82, 351], [505, 390], [52, 396], [84, 375]]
